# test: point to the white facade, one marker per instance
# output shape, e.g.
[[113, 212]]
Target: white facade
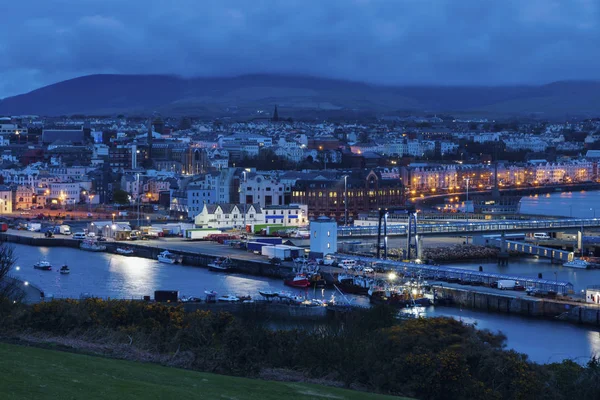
[[323, 236], [229, 216], [263, 189], [5, 200], [292, 215], [69, 192]]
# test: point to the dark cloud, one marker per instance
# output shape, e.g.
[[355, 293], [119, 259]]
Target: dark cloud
[[383, 41]]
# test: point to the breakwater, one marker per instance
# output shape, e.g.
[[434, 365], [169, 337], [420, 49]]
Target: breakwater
[[583, 313]]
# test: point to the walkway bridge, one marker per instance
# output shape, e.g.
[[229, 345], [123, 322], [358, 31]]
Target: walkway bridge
[[471, 228], [553, 254], [433, 272]]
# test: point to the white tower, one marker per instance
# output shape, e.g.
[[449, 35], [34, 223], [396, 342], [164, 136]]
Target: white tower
[[323, 236]]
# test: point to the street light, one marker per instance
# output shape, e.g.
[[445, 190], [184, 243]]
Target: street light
[[467, 208], [91, 197], [113, 215]]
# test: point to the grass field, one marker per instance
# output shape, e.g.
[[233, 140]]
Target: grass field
[[33, 373]]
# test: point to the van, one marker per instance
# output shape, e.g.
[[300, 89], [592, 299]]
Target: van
[[79, 235], [541, 235], [347, 263]]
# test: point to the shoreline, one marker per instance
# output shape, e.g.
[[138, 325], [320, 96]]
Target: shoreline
[[461, 296]]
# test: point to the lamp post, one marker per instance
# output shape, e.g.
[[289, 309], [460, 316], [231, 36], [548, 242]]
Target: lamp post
[[346, 200], [467, 208], [113, 219], [244, 188], [91, 197]]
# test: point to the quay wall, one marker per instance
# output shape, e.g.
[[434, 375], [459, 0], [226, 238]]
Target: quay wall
[[527, 306], [197, 259]]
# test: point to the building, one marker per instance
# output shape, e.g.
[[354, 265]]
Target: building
[[229, 216], [5, 200], [292, 215], [365, 190], [323, 237], [24, 198]]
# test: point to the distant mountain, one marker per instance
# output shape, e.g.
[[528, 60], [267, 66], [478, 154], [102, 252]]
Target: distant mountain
[[248, 95]]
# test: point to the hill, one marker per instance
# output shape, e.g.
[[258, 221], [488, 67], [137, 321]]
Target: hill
[[249, 95], [33, 373]]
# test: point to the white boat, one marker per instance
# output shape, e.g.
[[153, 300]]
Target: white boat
[[577, 263], [211, 296], [124, 251], [64, 270], [168, 257], [91, 245], [43, 265], [229, 298]]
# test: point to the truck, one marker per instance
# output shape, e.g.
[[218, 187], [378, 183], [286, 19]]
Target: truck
[[506, 284], [166, 296], [64, 230], [200, 234]]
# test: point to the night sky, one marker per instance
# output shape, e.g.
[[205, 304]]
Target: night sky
[[381, 41]]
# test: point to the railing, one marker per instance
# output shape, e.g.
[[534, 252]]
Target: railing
[[474, 227]]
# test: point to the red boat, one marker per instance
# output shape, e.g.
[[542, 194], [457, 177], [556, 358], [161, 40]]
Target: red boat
[[299, 281]]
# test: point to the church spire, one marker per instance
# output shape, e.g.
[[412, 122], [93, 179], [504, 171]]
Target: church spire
[[275, 114]]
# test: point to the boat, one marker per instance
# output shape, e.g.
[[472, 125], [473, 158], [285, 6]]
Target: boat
[[354, 284], [91, 245], [299, 281], [221, 264], [577, 263], [65, 269], [125, 251], [229, 298], [211, 296], [43, 265], [268, 294], [168, 257]]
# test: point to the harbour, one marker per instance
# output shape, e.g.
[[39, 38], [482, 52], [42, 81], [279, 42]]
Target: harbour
[[128, 276]]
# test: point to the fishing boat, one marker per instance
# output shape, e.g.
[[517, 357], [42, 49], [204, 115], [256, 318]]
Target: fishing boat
[[577, 263], [43, 265], [221, 264], [168, 257], [299, 281], [64, 270], [124, 251], [91, 245], [354, 284], [229, 298]]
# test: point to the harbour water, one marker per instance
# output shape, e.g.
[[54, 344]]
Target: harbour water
[[114, 276]]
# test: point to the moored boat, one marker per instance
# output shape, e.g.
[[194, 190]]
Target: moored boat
[[577, 263], [221, 264], [125, 251], [211, 296], [168, 257], [229, 298], [298, 281], [65, 270], [268, 294], [91, 245], [43, 265]]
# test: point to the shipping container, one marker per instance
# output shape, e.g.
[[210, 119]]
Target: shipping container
[[283, 253], [270, 240], [200, 234], [166, 296], [256, 247]]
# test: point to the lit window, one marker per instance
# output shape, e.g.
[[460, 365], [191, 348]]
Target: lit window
[[328, 245], [328, 234]]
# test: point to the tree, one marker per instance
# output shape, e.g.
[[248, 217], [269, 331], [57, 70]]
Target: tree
[[10, 288], [121, 197]]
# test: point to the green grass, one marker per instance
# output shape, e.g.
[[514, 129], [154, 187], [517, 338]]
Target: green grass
[[34, 373]]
